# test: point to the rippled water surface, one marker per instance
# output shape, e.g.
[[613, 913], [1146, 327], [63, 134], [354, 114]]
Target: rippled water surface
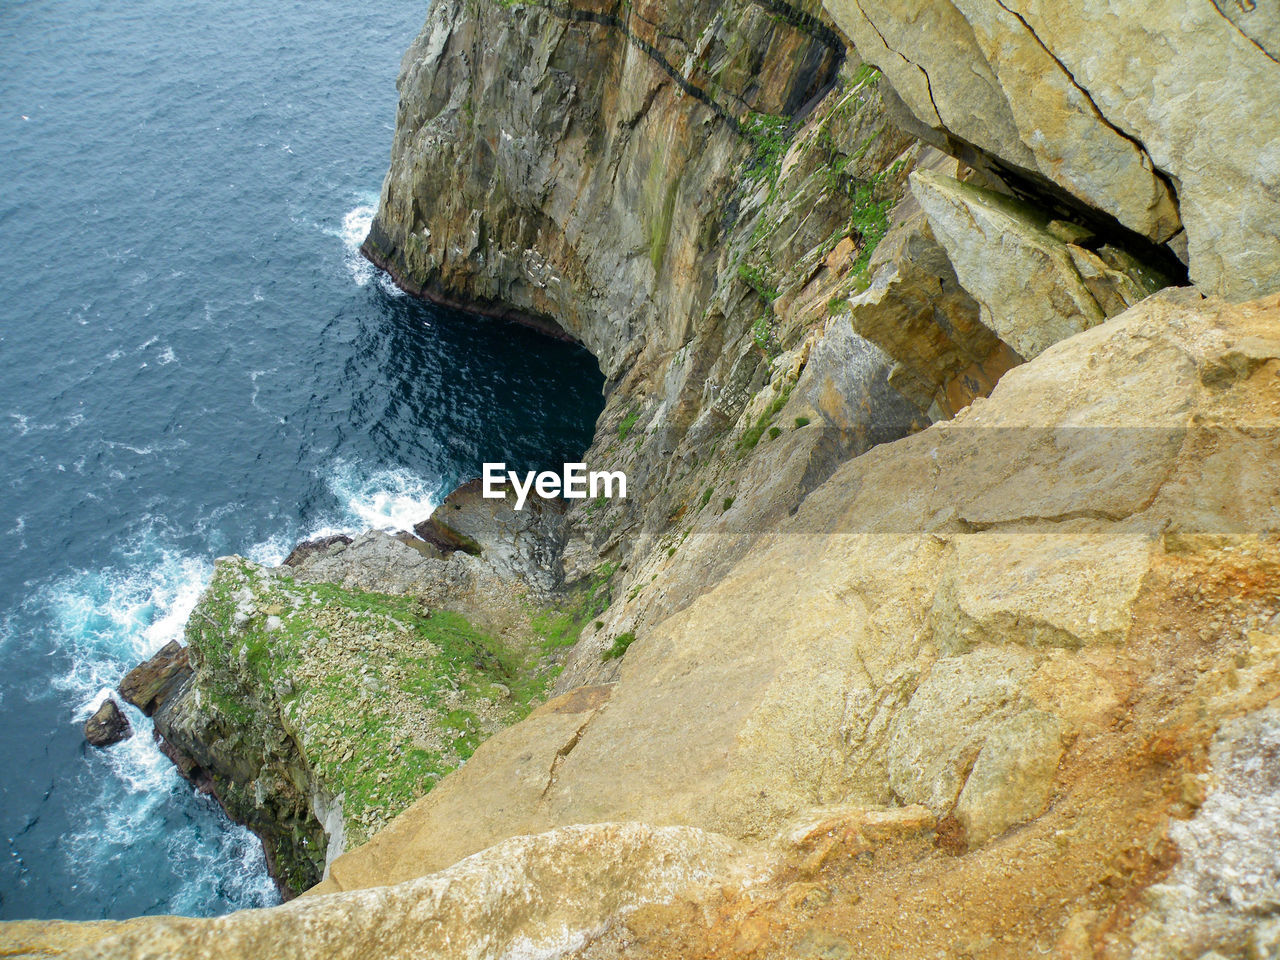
[[194, 361]]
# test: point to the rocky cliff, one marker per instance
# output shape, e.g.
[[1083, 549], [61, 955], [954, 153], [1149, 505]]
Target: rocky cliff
[[944, 617]]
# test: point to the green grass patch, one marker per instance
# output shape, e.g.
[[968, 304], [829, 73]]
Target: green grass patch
[[751, 436], [619, 646], [627, 423]]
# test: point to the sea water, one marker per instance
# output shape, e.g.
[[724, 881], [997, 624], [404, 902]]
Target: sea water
[[194, 361]]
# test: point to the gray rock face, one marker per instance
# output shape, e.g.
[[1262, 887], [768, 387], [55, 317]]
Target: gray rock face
[[1225, 891], [108, 725]]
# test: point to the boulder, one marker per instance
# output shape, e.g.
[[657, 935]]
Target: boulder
[[1012, 776], [148, 685], [108, 725], [1034, 289]]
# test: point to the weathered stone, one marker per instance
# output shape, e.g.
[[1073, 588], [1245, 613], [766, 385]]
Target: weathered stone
[[1226, 883], [148, 685], [512, 542], [1108, 104], [916, 311], [1028, 282], [108, 725], [321, 545], [1012, 776], [1040, 589], [936, 737], [529, 896]]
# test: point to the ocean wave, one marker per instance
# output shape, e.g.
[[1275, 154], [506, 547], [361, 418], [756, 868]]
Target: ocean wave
[[380, 499], [355, 227], [107, 620]]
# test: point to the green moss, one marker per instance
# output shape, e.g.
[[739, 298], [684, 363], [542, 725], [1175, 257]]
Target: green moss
[[771, 136], [866, 75], [755, 278], [660, 234], [728, 502], [802, 422], [381, 698], [774, 432], [562, 627]]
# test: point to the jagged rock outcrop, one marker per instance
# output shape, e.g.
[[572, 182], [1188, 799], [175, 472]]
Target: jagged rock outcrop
[[108, 725], [935, 587], [1108, 105], [317, 712], [1033, 288], [685, 188], [151, 683]]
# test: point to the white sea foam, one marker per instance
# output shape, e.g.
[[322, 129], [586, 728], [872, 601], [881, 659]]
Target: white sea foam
[[381, 499], [355, 227], [105, 621]]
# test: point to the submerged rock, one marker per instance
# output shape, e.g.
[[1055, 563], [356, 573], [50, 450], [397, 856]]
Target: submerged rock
[[108, 725]]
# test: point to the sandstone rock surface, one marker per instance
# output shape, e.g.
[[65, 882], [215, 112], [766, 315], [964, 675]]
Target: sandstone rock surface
[[1028, 282], [1108, 104], [530, 896]]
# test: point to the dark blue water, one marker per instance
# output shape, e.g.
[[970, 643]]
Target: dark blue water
[[194, 361]]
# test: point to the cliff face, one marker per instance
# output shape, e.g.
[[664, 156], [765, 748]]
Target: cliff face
[[712, 200], [626, 181]]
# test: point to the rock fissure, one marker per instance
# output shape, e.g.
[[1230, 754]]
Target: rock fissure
[[903, 57], [1093, 104], [1217, 5], [562, 754]]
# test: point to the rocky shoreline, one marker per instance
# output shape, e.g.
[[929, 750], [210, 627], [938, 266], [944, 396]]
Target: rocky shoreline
[[235, 730]]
